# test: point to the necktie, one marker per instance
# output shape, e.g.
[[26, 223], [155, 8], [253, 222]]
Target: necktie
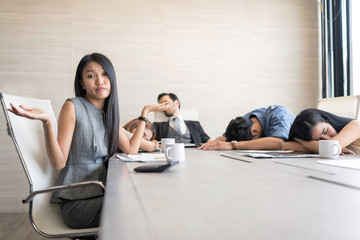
[[177, 125]]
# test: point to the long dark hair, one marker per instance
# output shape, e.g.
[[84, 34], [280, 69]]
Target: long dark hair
[[308, 118], [111, 107], [239, 129]]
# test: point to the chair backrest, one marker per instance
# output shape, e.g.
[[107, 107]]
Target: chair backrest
[[343, 106], [186, 113], [28, 137], [29, 141]]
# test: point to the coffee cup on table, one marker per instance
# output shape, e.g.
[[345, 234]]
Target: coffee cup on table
[[175, 152], [165, 141], [329, 148]]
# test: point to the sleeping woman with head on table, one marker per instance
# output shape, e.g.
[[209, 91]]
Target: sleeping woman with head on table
[[148, 142], [311, 125]]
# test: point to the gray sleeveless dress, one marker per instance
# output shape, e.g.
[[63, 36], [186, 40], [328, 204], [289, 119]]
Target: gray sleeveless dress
[[89, 148]]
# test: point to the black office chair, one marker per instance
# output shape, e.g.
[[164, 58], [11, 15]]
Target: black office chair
[[28, 138]]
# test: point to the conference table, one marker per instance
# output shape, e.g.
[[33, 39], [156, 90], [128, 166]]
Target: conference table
[[226, 195]]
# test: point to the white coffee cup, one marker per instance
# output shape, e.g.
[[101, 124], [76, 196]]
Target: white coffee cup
[[329, 148], [165, 141], [175, 152]]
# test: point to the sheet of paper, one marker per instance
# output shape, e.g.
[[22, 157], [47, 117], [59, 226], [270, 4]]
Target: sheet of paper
[[267, 155], [264, 151], [307, 155], [257, 155], [143, 157], [348, 163], [261, 153]]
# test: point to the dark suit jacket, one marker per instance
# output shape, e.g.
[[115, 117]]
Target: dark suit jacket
[[196, 131]]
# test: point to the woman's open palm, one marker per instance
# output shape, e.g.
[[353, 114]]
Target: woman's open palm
[[31, 113]]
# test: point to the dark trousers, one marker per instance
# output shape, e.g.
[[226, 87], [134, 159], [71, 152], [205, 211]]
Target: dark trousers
[[82, 213]]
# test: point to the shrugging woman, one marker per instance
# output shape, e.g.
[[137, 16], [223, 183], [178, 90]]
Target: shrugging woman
[[89, 133], [312, 125]]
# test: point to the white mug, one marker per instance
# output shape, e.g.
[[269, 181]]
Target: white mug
[[165, 141], [175, 152], [329, 148]]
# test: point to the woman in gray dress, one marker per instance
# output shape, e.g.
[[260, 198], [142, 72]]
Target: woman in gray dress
[[89, 133]]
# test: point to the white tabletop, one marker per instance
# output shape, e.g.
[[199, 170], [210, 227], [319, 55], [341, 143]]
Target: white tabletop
[[223, 195]]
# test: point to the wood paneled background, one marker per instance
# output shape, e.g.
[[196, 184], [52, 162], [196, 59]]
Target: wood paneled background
[[224, 57]]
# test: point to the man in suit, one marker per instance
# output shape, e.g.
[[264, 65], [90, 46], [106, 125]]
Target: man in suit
[[176, 127]]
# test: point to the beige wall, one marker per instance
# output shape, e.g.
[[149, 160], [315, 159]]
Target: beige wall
[[223, 57]]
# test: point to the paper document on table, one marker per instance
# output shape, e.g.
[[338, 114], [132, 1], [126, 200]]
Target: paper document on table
[[262, 153], [257, 155], [348, 163], [143, 157], [265, 151], [307, 155], [267, 155]]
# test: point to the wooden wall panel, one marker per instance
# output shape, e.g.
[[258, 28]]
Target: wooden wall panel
[[223, 57], [35, 61]]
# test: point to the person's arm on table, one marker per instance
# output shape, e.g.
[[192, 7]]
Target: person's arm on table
[[265, 143], [211, 142], [148, 146], [313, 146], [295, 146]]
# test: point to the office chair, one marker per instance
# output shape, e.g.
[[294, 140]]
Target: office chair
[[29, 142], [347, 106]]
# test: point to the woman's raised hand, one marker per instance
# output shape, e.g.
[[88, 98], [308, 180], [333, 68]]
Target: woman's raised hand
[[31, 113]]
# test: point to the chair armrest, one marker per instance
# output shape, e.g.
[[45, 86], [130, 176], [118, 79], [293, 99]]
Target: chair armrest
[[63, 187]]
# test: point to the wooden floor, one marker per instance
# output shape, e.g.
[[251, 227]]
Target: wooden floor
[[16, 226]]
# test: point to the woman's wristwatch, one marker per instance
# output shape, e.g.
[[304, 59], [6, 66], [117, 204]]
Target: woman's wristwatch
[[143, 119]]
